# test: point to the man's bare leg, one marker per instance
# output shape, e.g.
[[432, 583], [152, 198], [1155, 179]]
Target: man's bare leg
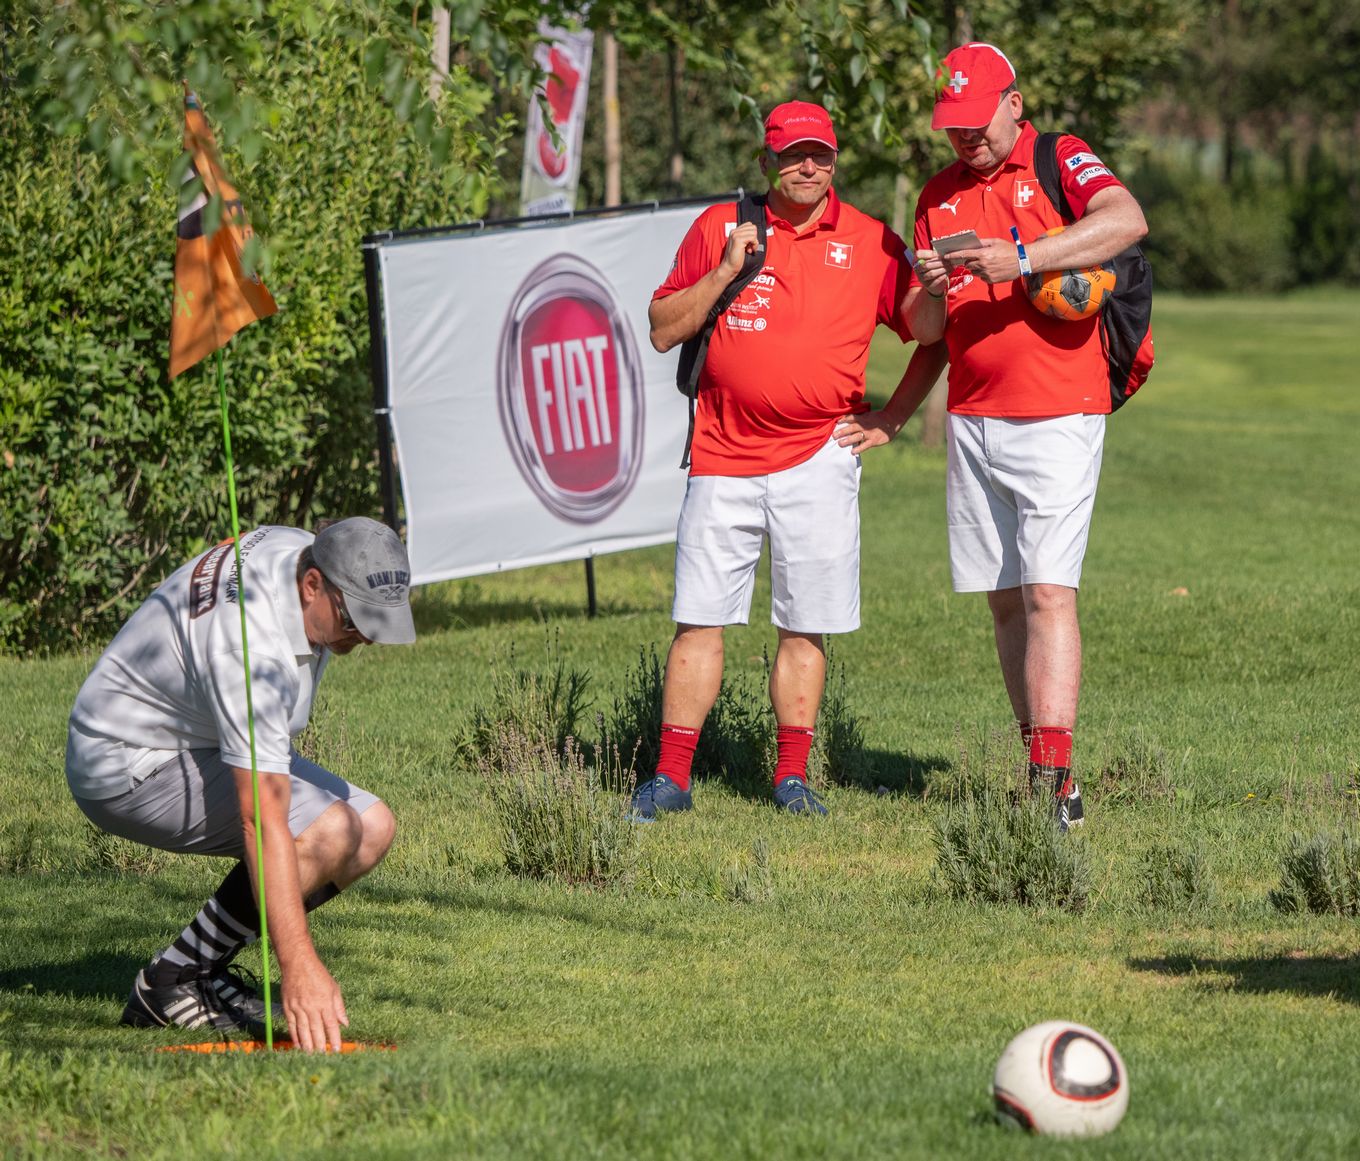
[[1008, 623], [798, 678], [796, 684], [694, 669]]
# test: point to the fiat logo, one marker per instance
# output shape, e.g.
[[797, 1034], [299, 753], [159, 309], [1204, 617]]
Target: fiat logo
[[570, 390]]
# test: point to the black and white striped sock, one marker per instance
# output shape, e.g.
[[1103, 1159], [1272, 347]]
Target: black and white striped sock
[[228, 921]]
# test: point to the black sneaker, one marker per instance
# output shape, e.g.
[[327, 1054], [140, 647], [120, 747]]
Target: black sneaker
[[795, 796], [184, 997], [658, 796], [1068, 797], [1067, 808], [240, 989]]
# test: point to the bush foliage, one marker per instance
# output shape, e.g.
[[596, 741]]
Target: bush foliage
[[1321, 874], [110, 475], [995, 847]]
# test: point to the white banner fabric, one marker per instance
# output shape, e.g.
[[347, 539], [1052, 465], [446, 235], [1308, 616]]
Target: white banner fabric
[[533, 421]]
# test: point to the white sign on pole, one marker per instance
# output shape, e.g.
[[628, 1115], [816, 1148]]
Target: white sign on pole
[[548, 179], [533, 421]]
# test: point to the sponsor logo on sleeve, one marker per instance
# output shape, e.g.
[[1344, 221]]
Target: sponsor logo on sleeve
[[570, 390], [1091, 173], [1077, 160], [203, 580]]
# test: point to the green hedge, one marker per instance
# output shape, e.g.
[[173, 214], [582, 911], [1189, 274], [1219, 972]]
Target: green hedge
[[1261, 233], [110, 475]]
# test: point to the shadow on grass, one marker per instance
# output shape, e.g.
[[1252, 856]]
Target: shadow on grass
[[99, 975], [886, 772], [908, 773], [571, 904], [434, 615], [1305, 975]]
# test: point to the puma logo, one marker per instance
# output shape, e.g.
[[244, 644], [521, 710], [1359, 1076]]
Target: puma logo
[[952, 207]]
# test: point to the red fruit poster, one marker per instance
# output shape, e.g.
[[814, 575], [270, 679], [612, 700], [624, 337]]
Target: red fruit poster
[[552, 150]]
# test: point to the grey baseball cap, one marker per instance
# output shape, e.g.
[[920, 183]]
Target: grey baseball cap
[[367, 562]]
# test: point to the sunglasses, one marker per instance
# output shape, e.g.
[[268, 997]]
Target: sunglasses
[[794, 158], [346, 622]]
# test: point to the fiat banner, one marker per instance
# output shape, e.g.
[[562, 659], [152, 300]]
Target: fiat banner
[[533, 421], [551, 169]]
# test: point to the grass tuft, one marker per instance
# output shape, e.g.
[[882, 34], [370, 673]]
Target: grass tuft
[[751, 881], [995, 847], [559, 818], [1140, 771], [634, 718], [838, 752], [1320, 874], [1176, 879], [24, 846], [108, 852], [543, 708]]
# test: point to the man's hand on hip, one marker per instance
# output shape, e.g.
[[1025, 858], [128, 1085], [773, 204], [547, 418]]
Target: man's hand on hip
[[865, 430]]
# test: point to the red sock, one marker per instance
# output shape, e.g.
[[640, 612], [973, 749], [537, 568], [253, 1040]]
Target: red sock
[[1051, 746], [677, 753], [795, 743]]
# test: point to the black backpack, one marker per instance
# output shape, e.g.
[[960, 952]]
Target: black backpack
[[1126, 316], [693, 351]]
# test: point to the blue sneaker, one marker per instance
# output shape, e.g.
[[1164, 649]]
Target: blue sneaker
[[658, 796], [795, 796]]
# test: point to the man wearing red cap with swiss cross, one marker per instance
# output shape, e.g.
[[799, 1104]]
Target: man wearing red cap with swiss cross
[[1028, 394], [785, 366]]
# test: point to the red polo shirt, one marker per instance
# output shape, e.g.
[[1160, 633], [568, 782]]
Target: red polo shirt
[[1005, 358], [787, 358]]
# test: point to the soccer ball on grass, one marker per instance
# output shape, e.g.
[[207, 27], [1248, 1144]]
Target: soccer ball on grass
[[1070, 295], [1061, 1080]]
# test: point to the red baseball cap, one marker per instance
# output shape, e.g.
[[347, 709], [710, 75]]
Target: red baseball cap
[[796, 121], [968, 86]]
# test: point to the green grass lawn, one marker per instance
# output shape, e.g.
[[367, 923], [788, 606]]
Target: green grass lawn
[[853, 1010]]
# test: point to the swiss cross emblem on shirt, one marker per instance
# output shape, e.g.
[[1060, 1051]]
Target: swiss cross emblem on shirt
[[1025, 193], [839, 254]]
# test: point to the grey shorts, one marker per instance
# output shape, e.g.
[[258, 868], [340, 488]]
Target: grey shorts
[[189, 804]]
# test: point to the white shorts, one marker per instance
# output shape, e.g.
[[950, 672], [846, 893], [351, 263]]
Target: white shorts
[[810, 514], [1020, 497]]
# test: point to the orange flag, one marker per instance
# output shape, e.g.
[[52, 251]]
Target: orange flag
[[214, 297]]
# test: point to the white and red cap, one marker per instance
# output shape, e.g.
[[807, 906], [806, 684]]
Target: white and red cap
[[796, 121], [968, 86]]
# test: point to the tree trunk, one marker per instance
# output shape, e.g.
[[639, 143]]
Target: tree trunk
[[963, 24], [675, 62], [613, 185], [934, 410], [439, 53]]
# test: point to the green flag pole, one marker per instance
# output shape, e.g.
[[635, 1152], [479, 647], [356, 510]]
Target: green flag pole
[[250, 705]]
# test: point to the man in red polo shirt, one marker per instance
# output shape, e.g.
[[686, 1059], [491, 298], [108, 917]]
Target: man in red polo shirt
[[785, 365], [1028, 394]]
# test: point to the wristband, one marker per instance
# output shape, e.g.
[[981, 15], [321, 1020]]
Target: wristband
[[1025, 268]]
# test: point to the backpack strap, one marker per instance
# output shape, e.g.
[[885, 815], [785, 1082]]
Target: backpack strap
[[1046, 168], [693, 352]]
